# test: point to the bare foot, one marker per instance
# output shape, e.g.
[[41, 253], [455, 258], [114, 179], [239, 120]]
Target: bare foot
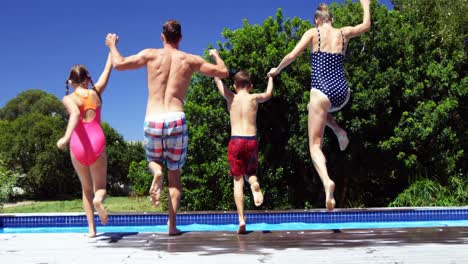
[[329, 198], [100, 210], [242, 230], [91, 233], [342, 139], [257, 193], [175, 232], [155, 190]]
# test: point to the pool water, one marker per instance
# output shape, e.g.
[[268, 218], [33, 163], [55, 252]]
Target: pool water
[[232, 227]]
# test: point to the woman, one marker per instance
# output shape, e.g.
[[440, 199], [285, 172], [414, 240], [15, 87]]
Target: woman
[[86, 138], [329, 91]]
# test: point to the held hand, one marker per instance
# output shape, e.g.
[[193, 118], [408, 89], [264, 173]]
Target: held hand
[[273, 72], [365, 2], [213, 53], [62, 143], [111, 39]]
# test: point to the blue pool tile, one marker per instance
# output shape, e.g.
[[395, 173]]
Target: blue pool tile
[[399, 215]]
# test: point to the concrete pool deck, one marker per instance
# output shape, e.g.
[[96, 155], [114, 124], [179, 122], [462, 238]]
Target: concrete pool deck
[[408, 245]]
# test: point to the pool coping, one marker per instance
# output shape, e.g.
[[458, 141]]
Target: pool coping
[[356, 215]]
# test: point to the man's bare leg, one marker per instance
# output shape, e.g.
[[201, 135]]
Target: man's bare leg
[[256, 191], [175, 192], [239, 200], [340, 133], [156, 185]]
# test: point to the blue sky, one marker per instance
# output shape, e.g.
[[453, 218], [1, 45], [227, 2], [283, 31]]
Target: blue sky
[[41, 40]]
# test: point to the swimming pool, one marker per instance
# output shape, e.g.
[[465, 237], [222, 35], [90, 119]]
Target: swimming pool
[[256, 221]]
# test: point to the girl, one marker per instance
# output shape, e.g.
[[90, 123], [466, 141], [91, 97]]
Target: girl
[[86, 138]]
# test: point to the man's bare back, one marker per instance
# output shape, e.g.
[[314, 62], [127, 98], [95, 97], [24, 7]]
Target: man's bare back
[[169, 72]]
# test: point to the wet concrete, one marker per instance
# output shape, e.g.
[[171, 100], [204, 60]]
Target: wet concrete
[[213, 243], [393, 246]]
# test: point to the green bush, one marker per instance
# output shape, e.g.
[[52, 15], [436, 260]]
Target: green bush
[[8, 180], [427, 192], [140, 178]]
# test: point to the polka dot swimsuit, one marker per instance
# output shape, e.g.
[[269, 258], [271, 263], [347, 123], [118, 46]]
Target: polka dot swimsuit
[[328, 75]]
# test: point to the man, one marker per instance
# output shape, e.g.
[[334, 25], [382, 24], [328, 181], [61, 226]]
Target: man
[[169, 72]]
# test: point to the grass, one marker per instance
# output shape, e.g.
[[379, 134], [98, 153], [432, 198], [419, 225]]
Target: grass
[[112, 205]]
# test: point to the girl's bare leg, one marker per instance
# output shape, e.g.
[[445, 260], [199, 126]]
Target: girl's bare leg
[[87, 192], [99, 175]]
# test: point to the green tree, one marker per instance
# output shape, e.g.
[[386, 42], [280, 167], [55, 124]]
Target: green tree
[[29, 130], [253, 48], [406, 116], [140, 177], [120, 155], [8, 180], [28, 146], [30, 101]]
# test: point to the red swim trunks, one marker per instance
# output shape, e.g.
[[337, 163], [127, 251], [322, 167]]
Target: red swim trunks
[[243, 155]]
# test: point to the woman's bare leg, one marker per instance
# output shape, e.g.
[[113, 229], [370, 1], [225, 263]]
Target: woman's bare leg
[[318, 111], [340, 133]]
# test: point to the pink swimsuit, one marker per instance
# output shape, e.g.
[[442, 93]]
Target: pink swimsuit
[[88, 141]]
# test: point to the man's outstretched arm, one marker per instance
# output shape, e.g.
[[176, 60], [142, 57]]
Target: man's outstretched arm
[[125, 63], [218, 69]]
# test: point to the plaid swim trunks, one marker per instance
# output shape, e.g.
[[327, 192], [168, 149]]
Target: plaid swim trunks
[[166, 139], [243, 155]]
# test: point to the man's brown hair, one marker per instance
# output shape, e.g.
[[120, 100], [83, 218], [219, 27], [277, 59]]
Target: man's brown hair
[[242, 79], [172, 31]]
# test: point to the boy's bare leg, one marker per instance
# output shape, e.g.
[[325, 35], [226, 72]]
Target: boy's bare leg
[[340, 133], [156, 185], [239, 200], [256, 192], [317, 118], [175, 192], [99, 174], [87, 194]]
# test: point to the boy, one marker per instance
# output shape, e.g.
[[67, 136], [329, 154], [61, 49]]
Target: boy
[[243, 148]]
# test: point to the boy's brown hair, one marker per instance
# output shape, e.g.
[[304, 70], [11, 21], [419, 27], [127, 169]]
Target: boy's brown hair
[[242, 79]]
